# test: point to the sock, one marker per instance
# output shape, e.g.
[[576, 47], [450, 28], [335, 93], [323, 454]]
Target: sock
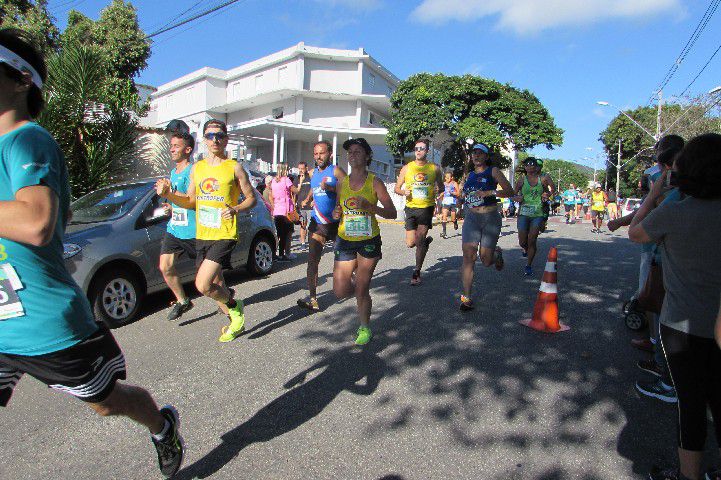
[[231, 303], [164, 432]]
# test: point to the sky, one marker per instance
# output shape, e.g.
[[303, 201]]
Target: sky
[[569, 53]]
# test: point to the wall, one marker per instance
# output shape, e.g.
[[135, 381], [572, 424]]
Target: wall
[[188, 99], [377, 85], [264, 111], [331, 76], [331, 113], [275, 77]]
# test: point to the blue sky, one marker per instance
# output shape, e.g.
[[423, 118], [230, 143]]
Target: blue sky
[[570, 53]]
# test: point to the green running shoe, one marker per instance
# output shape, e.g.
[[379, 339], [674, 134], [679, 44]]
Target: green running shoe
[[237, 323], [364, 336]]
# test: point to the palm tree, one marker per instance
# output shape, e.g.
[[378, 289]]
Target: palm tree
[[97, 135]]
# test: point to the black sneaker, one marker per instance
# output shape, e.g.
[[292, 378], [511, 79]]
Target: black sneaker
[[658, 390], [179, 309], [428, 241], [171, 448], [650, 366], [665, 474]]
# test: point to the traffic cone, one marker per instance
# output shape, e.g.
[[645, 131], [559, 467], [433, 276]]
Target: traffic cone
[[545, 312]]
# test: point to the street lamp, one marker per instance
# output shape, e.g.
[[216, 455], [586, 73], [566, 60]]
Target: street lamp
[[607, 104]]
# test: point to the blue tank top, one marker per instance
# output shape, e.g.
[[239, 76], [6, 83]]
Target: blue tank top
[[182, 223], [448, 191], [480, 182], [323, 201]]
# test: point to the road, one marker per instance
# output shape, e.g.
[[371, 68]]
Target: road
[[437, 394]]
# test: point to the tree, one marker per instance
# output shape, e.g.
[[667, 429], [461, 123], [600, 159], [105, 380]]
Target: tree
[[454, 108], [33, 17], [689, 120]]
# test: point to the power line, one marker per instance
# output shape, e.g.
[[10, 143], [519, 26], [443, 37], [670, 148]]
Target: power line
[[710, 10], [180, 15], [189, 27], [702, 70], [195, 17]]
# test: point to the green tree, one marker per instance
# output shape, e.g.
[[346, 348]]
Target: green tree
[[563, 170], [459, 107], [34, 18]]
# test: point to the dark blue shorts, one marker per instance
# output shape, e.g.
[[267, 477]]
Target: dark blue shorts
[[346, 250]]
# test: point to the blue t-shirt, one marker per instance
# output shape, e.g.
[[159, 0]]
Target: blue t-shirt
[[569, 197], [323, 201], [182, 223], [44, 309], [480, 182]]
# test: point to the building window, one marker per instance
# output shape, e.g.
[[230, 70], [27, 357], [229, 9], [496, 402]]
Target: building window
[[258, 83], [371, 80], [277, 113], [375, 119]]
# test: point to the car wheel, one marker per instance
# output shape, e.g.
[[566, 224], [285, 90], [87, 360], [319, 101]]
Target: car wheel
[[116, 297], [635, 321], [260, 256]]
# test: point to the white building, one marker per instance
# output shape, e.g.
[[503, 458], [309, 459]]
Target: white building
[[278, 106]]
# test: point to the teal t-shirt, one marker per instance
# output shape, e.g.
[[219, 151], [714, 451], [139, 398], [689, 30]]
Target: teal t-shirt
[[182, 223], [42, 310], [569, 197]]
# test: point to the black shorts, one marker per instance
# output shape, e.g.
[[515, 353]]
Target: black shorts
[[569, 208], [419, 216], [346, 250], [88, 370], [597, 214], [329, 231], [218, 251], [172, 244]]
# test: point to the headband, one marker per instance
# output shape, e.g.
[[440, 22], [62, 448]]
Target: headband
[[20, 64]]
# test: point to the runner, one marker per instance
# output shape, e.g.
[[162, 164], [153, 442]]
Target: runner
[[482, 223], [612, 204], [421, 180], [579, 204], [358, 246], [302, 185], [586, 203], [569, 203], [47, 328], [598, 206], [531, 191], [449, 200], [216, 184], [179, 239], [322, 227]]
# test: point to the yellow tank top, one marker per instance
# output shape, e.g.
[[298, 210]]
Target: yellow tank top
[[421, 181], [357, 225], [215, 186], [599, 203]]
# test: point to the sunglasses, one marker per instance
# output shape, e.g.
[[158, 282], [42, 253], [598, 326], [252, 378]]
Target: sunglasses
[[215, 136], [420, 149]]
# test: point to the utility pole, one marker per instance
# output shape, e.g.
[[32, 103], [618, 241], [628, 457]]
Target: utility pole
[[559, 179], [618, 168], [658, 116]]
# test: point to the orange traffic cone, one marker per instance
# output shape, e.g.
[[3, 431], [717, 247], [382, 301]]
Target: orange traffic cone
[[545, 312]]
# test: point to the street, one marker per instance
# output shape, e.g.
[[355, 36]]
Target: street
[[437, 394]]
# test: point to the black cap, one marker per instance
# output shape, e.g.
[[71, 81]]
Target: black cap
[[358, 141], [177, 126], [533, 161]]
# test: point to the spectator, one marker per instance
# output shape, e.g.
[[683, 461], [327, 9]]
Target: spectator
[[692, 279], [281, 202], [302, 184]]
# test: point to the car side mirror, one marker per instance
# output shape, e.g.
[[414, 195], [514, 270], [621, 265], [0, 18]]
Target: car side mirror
[[157, 215]]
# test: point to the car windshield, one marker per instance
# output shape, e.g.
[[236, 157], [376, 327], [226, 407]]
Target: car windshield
[[108, 203]]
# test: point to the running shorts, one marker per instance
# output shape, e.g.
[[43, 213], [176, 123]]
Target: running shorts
[[172, 244], [524, 223], [482, 228], [218, 251], [596, 214], [88, 370], [346, 251], [419, 216], [329, 231]]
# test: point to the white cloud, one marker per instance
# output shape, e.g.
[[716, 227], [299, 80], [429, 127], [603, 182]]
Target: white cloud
[[533, 16]]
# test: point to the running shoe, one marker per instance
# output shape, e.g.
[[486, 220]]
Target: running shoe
[[498, 259], [524, 253], [179, 309], [237, 323], [713, 474], [528, 271], [466, 304], [443, 235], [665, 474], [364, 335], [309, 303], [658, 390], [429, 240], [171, 447], [650, 366], [416, 278]]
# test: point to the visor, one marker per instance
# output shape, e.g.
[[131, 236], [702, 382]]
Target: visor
[[481, 147], [13, 60]]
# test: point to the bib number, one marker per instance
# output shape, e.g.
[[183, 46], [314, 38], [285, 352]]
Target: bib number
[[358, 226], [449, 201], [529, 210], [180, 217], [421, 193], [10, 304], [209, 216], [474, 200], [598, 205]]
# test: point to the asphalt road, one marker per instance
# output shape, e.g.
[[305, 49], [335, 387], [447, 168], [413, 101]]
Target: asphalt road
[[438, 393]]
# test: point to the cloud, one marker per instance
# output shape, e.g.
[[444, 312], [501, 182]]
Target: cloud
[[532, 16]]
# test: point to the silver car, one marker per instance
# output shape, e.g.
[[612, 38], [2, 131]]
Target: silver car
[[112, 247]]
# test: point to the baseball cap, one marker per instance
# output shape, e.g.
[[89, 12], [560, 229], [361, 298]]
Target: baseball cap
[[358, 141], [480, 146]]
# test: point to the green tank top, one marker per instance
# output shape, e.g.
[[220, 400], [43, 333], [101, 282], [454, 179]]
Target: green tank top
[[531, 206]]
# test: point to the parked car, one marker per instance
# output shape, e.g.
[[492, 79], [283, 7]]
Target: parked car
[[630, 205], [112, 247]]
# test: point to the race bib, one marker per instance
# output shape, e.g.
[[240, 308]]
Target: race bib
[[529, 210], [420, 193], [473, 199], [209, 216], [449, 201], [10, 304], [598, 205], [358, 226], [180, 217]]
